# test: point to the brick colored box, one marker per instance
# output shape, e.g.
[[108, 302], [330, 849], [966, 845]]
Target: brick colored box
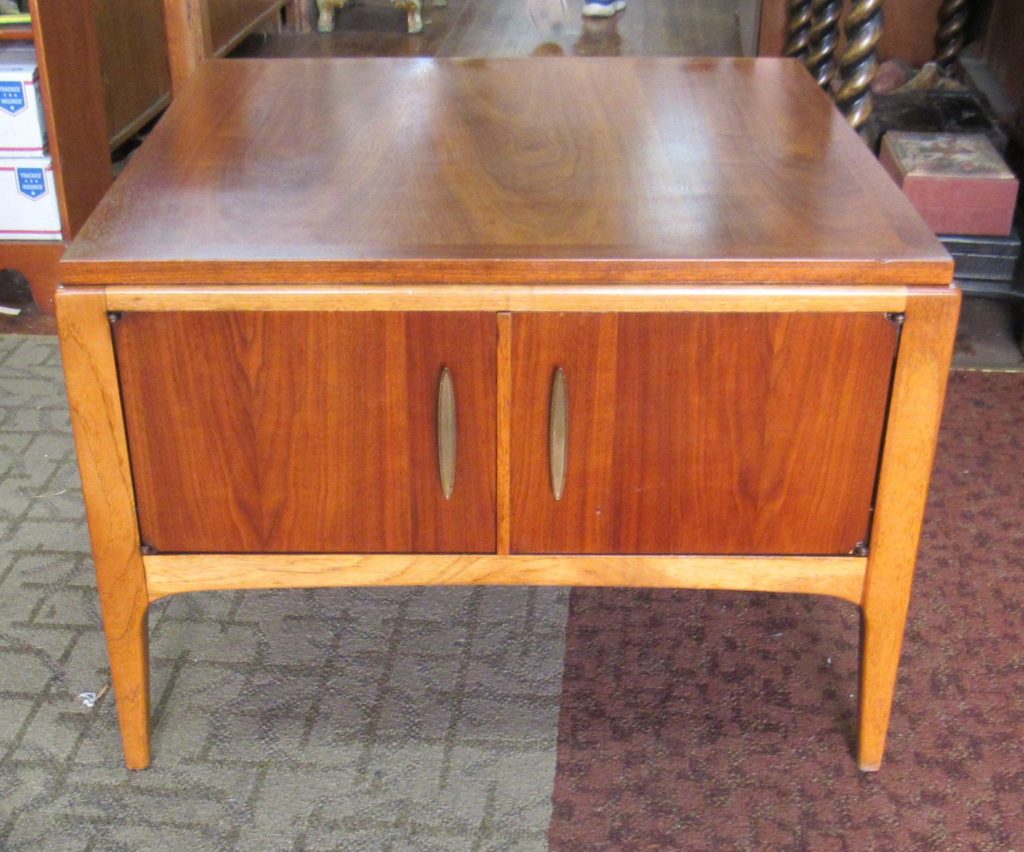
[[958, 182]]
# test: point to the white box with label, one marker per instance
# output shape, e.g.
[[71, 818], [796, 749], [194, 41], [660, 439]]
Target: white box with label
[[22, 122], [28, 200]]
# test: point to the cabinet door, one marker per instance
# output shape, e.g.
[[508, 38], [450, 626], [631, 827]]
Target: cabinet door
[[308, 432], [699, 433]]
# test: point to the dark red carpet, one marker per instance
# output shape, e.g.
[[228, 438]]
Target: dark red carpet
[[718, 720]]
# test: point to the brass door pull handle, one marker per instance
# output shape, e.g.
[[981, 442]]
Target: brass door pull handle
[[446, 432], [558, 432]]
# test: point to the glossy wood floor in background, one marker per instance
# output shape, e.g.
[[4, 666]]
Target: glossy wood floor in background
[[498, 28]]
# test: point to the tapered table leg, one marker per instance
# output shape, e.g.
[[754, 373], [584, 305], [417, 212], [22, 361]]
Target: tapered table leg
[[93, 391], [925, 349], [126, 629]]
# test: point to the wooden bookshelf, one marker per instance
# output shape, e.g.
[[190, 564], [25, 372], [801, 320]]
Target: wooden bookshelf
[[201, 29], [105, 69], [67, 47], [103, 73]]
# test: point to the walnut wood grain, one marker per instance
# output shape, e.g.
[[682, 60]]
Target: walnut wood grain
[[91, 374], [572, 170], [308, 432], [755, 434], [919, 388], [706, 248], [841, 577]]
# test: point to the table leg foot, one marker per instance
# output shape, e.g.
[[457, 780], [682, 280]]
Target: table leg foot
[[881, 638], [915, 408], [129, 666]]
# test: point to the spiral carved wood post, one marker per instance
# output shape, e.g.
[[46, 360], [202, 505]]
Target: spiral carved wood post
[[950, 36], [823, 37], [798, 28], [859, 64]]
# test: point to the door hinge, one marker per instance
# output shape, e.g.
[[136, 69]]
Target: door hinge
[[860, 549], [896, 318]]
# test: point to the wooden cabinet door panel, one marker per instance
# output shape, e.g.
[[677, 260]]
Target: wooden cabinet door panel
[[700, 433], [308, 432]]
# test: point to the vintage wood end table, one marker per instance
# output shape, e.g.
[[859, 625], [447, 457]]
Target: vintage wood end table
[[600, 322]]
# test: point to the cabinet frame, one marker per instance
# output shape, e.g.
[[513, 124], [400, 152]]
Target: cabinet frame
[[879, 583]]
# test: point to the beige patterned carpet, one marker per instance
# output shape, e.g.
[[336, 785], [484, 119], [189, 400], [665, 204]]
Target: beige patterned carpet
[[353, 719]]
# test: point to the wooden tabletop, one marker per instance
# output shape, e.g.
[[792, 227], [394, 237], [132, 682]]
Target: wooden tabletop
[[568, 170]]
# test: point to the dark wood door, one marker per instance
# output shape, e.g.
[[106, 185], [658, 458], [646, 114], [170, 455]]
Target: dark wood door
[[700, 433], [308, 432]]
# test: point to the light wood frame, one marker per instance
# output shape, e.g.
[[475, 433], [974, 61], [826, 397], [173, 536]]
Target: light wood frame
[[880, 583], [676, 298]]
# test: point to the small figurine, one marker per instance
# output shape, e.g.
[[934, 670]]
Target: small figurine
[[325, 23]]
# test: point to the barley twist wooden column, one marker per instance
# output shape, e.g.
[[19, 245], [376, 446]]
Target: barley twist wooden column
[[950, 36], [823, 37], [798, 28], [859, 64]]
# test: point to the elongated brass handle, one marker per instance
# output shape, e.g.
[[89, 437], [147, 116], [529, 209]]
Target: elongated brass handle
[[558, 432], [446, 432]]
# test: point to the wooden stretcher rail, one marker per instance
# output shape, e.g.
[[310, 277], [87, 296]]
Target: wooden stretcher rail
[[841, 577]]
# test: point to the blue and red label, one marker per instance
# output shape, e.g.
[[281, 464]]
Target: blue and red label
[[31, 182], [12, 96]]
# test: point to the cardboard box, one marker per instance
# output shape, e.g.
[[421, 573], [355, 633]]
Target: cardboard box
[[22, 122], [958, 182], [28, 200]]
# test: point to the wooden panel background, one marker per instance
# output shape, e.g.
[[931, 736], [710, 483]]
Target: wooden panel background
[[728, 434], [230, 20], [133, 61], [305, 432]]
